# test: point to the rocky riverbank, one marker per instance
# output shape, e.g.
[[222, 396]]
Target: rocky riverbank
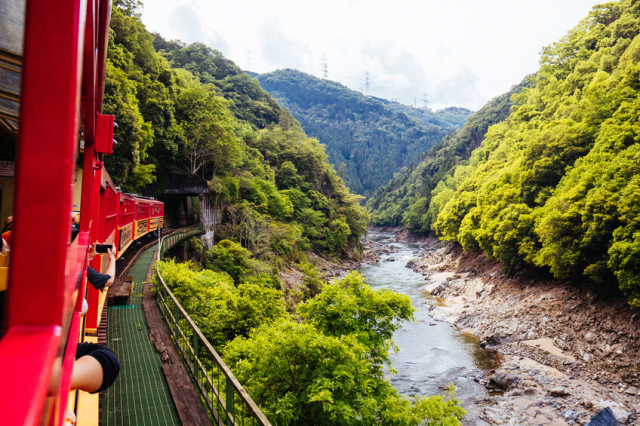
[[566, 355]]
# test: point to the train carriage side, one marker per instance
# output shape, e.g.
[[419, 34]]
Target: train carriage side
[[50, 115], [143, 208], [126, 222], [54, 94], [157, 216]]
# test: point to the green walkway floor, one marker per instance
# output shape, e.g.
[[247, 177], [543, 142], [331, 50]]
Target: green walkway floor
[[140, 395]]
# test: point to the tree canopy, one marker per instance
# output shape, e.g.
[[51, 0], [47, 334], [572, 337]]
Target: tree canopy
[[407, 198]]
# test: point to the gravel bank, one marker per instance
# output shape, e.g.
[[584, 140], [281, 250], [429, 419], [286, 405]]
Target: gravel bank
[[566, 355]]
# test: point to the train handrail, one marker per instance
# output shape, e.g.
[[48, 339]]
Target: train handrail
[[215, 402]]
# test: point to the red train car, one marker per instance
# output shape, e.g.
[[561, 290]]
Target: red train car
[[126, 221], [157, 216], [143, 213], [52, 74]]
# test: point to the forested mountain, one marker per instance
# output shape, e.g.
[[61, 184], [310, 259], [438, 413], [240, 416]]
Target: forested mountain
[[406, 199], [249, 101], [188, 109], [557, 184], [367, 139], [447, 118]]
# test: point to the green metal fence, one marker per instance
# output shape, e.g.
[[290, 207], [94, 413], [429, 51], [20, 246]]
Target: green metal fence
[[225, 398]]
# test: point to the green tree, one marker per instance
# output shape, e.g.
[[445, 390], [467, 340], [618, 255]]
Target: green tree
[[209, 129], [229, 257], [350, 307], [220, 309], [299, 375]]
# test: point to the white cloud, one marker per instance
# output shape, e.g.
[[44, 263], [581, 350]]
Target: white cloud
[[459, 52]]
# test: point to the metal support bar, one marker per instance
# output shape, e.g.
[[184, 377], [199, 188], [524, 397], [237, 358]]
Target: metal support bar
[[229, 407], [233, 389]]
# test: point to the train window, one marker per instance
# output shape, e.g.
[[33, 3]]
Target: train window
[[11, 40]]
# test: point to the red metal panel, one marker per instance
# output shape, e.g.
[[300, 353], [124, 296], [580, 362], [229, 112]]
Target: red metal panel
[[104, 134], [48, 114], [92, 210], [127, 209], [126, 221], [116, 236], [142, 209], [156, 214], [40, 323], [67, 368], [109, 201], [89, 66], [103, 39], [26, 373]]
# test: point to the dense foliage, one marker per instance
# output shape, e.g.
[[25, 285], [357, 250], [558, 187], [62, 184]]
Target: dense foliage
[[350, 307], [188, 109], [367, 139], [447, 118], [556, 185], [301, 376], [327, 369], [406, 199], [250, 102], [219, 308], [323, 366]]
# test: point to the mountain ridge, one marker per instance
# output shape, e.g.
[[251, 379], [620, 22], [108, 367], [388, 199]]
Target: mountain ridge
[[367, 139]]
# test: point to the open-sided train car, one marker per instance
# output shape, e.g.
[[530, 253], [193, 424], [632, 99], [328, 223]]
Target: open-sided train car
[[53, 138]]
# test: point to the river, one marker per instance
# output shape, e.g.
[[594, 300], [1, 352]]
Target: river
[[431, 353]]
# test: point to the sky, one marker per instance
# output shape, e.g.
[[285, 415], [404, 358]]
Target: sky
[[447, 52]]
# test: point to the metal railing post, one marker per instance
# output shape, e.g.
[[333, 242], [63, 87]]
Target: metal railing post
[[196, 353], [229, 402]]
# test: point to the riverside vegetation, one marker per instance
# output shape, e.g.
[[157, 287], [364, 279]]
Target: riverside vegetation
[[312, 354], [556, 184]]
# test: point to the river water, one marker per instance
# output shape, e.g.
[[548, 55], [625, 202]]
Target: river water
[[432, 353]]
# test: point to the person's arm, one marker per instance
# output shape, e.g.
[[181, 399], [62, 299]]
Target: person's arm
[[98, 280], [87, 374], [95, 369], [111, 269]]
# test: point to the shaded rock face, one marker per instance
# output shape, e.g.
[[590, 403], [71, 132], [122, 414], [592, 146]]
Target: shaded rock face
[[491, 342], [502, 381], [588, 355]]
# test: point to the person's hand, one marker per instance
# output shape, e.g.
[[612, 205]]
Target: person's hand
[[111, 252], [93, 252]]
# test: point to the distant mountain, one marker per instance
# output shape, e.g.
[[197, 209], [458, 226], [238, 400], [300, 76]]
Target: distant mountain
[[368, 139], [406, 199], [449, 118]]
